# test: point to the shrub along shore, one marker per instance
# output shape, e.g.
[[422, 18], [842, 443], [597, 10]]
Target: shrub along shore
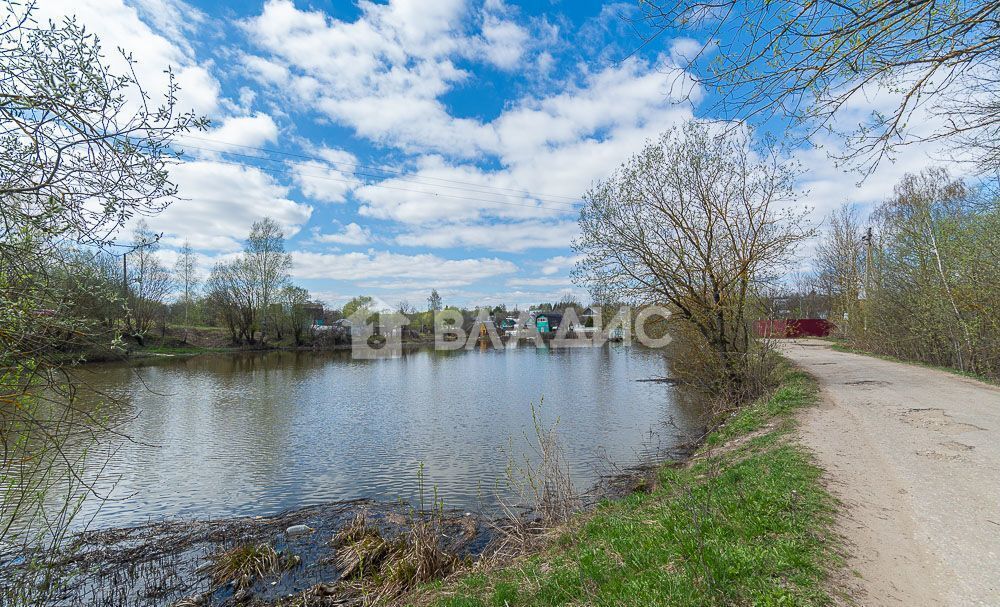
[[745, 521]]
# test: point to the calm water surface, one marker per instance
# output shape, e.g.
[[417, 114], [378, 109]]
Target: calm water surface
[[235, 434]]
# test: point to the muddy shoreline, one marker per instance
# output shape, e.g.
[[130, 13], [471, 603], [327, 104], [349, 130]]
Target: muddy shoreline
[[164, 564]]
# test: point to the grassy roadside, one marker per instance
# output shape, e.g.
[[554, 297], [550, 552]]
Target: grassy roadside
[[745, 522], [842, 346]]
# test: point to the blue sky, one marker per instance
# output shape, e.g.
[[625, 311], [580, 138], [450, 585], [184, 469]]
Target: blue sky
[[412, 145]]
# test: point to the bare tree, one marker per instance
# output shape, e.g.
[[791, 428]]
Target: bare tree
[[230, 296], [920, 210], [697, 220], [265, 256], [186, 271], [242, 291], [920, 282], [148, 283], [806, 60], [840, 261], [294, 301]]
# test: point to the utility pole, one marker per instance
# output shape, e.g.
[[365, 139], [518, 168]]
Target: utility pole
[[867, 239], [124, 291], [125, 287]]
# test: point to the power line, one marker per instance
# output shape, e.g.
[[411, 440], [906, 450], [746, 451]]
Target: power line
[[388, 187], [402, 174]]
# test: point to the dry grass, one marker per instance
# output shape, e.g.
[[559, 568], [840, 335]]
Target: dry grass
[[247, 563], [375, 570], [542, 477]]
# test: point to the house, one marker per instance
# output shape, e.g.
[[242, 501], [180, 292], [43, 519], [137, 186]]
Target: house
[[547, 322], [314, 312], [794, 327]]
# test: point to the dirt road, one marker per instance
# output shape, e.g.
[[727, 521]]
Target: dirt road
[[914, 455]]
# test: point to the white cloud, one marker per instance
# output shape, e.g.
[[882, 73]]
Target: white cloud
[[525, 299], [392, 48], [509, 237], [329, 179], [266, 71], [221, 201], [829, 185], [383, 75], [634, 94], [416, 286], [175, 19], [504, 42], [352, 234], [684, 51], [554, 265], [235, 135], [384, 264], [556, 144], [238, 132], [440, 192], [118, 25], [545, 281]]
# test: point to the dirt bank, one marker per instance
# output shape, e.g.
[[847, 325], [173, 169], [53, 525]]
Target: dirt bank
[[913, 454]]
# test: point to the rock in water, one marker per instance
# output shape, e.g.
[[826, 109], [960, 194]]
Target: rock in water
[[299, 530]]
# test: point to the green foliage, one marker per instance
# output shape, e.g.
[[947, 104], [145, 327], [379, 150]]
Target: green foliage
[[797, 390], [697, 221], [932, 276], [80, 159], [361, 303], [434, 301], [243, 293]]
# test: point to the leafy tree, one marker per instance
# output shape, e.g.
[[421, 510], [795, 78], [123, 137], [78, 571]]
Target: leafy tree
[[929, 264], [699, 221], [81, 149], [294, 302], [242, 291], [434, 301], [148, 282], [362, 303], [269, 264], [840, 259], [230, 298]]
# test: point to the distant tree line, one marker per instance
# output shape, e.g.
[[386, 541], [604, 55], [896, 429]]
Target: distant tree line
[[920, 279], [253, 296]]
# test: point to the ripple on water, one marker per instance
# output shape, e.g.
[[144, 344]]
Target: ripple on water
[[223, 435]]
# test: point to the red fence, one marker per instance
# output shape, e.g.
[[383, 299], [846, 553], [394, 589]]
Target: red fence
[[794, 327]]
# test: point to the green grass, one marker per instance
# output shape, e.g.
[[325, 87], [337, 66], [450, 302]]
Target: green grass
[[745, 525], [842, 346]]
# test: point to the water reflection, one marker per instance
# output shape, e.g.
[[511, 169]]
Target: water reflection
[[222, 435]]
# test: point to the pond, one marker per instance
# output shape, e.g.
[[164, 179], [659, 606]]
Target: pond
[[221, 435]]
